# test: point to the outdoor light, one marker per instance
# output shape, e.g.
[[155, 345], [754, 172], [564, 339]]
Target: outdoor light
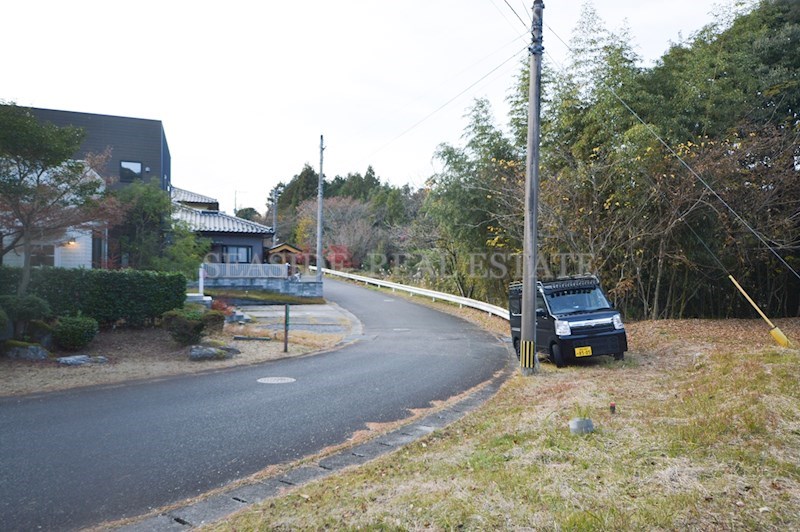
[[71, 241]]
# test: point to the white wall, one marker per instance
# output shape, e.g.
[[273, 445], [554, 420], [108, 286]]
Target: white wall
[[77, 255]]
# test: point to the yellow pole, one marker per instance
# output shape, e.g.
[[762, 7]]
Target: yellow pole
[[774, 331]]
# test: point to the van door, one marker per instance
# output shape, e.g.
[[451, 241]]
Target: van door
[[545, 328]]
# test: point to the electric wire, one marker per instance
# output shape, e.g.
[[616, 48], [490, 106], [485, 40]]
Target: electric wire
[[448, 102], [515, 13]]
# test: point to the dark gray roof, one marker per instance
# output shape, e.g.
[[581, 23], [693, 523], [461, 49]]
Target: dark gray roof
[[181, 195], [217, 222]]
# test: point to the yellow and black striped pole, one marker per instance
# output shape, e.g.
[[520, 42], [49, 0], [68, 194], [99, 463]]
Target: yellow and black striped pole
[[527, 352]]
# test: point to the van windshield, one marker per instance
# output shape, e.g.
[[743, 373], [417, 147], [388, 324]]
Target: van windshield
[[577, 301]]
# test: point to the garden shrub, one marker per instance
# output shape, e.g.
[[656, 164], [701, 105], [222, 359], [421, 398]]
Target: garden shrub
[[137, 297], [40, 332], [213, 321], [21, 310], [75, 332], [184, 325], [4, 321]]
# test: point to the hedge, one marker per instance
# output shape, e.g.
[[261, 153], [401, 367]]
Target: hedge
[[138, 297]]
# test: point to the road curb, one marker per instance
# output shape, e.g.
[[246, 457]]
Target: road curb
[[222, 505]]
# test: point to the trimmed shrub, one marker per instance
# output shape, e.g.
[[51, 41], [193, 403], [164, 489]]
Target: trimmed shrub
[[184, 325], [21, 310], [75, 332], [213, 321], [41, 332], [4, 321], [137, 297]]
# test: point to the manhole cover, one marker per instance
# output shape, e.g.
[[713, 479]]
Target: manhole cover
[[276, 380]]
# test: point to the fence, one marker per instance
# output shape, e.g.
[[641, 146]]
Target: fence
[[434, 295]]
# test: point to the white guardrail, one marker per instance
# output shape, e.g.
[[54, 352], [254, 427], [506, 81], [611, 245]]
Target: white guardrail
[[434, 295]]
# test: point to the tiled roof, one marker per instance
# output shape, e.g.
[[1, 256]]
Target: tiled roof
[[181, 195], [217, 222]]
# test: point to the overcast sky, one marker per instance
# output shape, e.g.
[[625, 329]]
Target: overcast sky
[[245, 88]]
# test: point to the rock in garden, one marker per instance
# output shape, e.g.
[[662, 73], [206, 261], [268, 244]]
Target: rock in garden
[[202, 352], [81, 360], [74, 360], [28, 352]]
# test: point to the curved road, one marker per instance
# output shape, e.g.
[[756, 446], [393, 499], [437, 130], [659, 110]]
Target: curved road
[[74, 459]]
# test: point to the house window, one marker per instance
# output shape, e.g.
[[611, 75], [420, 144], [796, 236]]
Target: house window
[[129, 170], [43, 255], [237, 254]]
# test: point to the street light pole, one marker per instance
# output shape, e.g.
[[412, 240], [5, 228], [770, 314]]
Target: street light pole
[[529, 361]]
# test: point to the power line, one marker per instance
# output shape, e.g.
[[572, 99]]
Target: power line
[[448, 102], [515, 13]]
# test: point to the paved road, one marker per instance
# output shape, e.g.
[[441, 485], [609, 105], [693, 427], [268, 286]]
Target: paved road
[[73, 459]]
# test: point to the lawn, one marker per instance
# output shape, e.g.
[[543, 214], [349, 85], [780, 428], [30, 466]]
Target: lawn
[[706, 436]]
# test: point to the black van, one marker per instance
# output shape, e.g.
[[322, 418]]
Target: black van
[[573, 320]]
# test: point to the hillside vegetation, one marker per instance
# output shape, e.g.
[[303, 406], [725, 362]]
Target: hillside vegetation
[[614, 200]]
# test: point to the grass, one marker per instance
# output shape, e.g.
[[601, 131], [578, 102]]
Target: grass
[[706, 435]]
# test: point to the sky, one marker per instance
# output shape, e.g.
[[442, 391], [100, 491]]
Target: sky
[[244, 89]]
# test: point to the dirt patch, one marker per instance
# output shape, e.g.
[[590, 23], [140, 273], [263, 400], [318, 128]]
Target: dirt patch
[[147, 354]]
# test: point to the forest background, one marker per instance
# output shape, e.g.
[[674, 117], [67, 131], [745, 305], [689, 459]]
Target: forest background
[[647, 175]]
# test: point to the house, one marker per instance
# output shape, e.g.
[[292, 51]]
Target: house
[[139, 151], [233, 240]]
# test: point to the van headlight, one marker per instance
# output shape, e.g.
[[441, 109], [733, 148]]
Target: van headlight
[[617, 319], [562, 328]]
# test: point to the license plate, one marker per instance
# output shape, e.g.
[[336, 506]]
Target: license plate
[[583, 351]]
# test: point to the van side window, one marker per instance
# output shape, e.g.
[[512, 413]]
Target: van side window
[[540, 303]]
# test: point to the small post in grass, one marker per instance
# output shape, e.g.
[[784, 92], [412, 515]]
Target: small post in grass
[[286, 328]]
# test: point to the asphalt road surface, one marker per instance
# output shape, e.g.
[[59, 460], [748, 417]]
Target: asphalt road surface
[[75, 459]]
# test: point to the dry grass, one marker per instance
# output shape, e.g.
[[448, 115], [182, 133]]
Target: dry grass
[[706, 436], [147, 354]]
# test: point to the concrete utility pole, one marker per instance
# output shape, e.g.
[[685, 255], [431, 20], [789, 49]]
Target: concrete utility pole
[[320, 260], [529, 362], [274, 216]]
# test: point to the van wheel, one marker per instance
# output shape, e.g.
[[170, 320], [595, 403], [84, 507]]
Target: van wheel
[[619, 356], [555, 354], [516, 346]]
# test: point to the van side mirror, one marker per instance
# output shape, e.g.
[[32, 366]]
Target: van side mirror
[[540, 313]]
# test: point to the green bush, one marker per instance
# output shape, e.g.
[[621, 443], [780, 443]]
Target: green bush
[[4, 321], [213, 321], [40, 332], [136, 297], [21, 310], [75, 332], [184, 325]]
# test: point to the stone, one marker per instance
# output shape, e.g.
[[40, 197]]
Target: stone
[[27, 352], [81, 360], [75, 360], [202, 352]]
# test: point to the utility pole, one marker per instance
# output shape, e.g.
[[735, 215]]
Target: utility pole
[[320, 260], [529, 361], [274, 216]]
